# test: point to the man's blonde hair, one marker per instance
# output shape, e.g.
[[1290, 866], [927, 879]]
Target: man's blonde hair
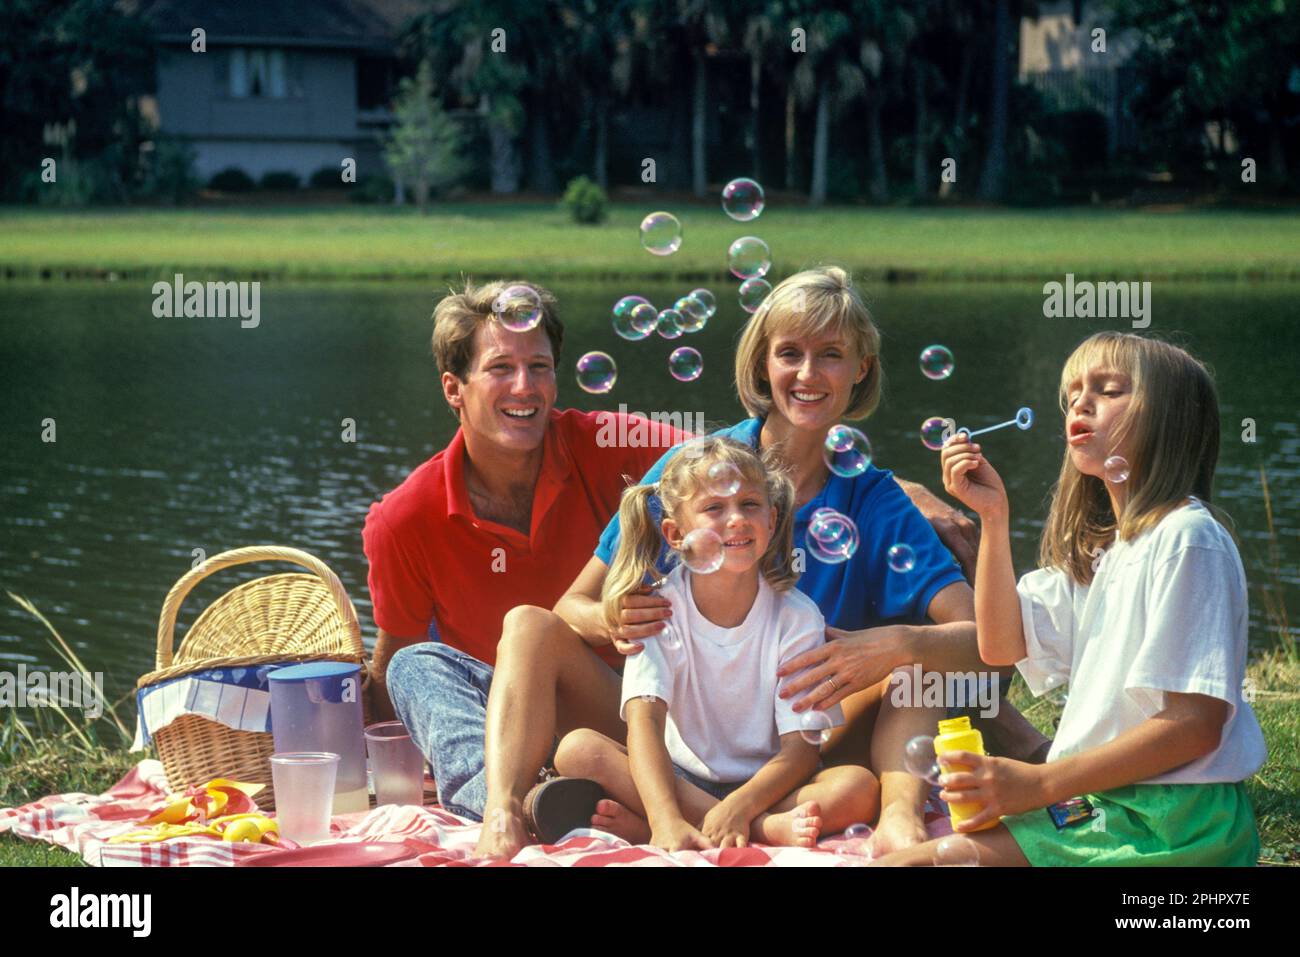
[[812, 302], [458, 316]]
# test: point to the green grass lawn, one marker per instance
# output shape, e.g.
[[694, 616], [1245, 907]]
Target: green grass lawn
[[538, 240], [59, 765]]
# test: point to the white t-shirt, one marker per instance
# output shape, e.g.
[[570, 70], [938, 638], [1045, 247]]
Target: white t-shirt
[[724, 717], [1165, 612]]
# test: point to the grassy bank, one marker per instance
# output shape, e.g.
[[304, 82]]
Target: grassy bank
[[62, 763], [539, 241]]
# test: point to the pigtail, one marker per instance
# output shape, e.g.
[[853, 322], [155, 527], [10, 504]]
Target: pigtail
[[637, 554]]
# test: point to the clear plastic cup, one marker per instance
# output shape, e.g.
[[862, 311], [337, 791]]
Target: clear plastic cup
[[397, 764], [304, 793]]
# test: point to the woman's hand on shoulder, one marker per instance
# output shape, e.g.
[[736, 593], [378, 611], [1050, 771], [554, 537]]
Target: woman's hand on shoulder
[[642, 614], [849, 662], [968, 477]]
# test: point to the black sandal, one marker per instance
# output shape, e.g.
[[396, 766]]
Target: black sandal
[[554, 808]]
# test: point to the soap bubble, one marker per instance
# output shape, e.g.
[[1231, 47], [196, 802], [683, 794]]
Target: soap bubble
[[857, 842], [742, 200], [956, 850], [936, 362], [858, 832], [706, 297], [831, 537], [847, 451], [815, 726], [752, 293], [749, 258], [702, 551], [724, 479], [686, 364], [597, 372], [661, 234], [1117, 469], [935, 431], [634, 318], [669, 324], [518, 308], [901, 557], [919, 758], [694, 313], [1024, 418]]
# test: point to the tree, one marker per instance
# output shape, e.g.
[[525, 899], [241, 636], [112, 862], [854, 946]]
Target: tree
[[423, 148], [85, 62], [993, 175], [457, 38]]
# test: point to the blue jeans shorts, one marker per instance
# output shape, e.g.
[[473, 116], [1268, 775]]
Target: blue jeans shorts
[[719, 789]]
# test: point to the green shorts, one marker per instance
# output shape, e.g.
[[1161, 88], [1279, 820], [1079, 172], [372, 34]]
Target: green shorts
[[1147, 825]]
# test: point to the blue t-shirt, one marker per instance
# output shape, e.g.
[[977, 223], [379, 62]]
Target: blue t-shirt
[[864, 591]]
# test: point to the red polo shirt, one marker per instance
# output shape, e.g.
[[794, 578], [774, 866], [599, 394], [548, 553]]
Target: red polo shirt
[[432, 560]]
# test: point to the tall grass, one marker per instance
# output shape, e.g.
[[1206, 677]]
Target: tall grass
[[44, 749]]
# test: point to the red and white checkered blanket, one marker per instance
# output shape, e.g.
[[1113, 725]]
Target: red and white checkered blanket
[[398, 836]]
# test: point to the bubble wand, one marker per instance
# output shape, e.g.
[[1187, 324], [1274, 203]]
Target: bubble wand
[[1023, 420]]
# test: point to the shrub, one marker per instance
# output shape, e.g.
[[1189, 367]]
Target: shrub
[[327, 177], [585, 201], [280, 179], [375, 188], [232, 179], [169, 172]]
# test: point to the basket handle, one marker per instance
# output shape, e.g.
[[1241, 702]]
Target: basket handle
[[239, 556]]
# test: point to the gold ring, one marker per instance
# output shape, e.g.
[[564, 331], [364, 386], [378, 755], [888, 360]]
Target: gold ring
[[831, 679]]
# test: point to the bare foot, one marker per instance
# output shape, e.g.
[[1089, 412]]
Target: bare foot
[[503, 834], [799, 827], [899, 828], [619, 821]]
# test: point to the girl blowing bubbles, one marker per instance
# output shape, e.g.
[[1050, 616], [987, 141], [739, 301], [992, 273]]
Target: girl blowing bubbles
[[1141, 606], [714, 757]]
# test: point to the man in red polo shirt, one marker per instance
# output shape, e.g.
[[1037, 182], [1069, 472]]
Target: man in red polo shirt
[[506, 515]]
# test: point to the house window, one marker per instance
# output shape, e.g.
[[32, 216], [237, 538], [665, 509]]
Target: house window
[[258, 73]]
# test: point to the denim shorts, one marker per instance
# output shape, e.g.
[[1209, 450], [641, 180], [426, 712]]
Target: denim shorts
[[719, 789]]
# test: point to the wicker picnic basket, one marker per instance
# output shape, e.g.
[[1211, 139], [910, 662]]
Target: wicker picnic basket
[[279, 619]]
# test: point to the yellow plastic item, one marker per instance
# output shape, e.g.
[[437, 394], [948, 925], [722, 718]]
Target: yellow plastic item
[[956, 734]]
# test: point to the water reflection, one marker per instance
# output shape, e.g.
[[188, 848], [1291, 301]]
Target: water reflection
[[184, 434]]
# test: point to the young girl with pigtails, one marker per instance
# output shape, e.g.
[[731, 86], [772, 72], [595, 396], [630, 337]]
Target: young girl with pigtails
[[715, 757]]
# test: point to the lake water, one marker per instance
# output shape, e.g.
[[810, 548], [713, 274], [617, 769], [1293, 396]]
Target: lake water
[[177, 434]]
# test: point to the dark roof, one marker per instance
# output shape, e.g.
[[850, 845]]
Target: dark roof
[[344, 24]]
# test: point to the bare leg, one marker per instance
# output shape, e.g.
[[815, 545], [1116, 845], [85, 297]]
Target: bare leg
[[997, 848], [903, 795], [589, 754], [832, 800], [874, 735], [547, 680]]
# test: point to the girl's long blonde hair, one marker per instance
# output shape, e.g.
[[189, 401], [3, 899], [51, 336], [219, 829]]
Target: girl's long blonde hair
[[1172, 422], [684, 477]]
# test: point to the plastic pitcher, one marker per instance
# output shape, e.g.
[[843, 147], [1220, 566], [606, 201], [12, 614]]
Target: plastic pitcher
[[317, 707]]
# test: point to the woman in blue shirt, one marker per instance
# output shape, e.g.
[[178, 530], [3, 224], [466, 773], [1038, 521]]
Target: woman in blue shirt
[[809, 359]]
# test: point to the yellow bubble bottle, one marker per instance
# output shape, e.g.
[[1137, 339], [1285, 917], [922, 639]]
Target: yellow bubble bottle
[[956, 734]]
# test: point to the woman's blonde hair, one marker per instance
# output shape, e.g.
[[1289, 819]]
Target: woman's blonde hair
[[813, 302], [684, 477], [1172, 424]]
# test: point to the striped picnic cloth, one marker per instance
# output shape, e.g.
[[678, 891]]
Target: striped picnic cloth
[[402, 836]]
